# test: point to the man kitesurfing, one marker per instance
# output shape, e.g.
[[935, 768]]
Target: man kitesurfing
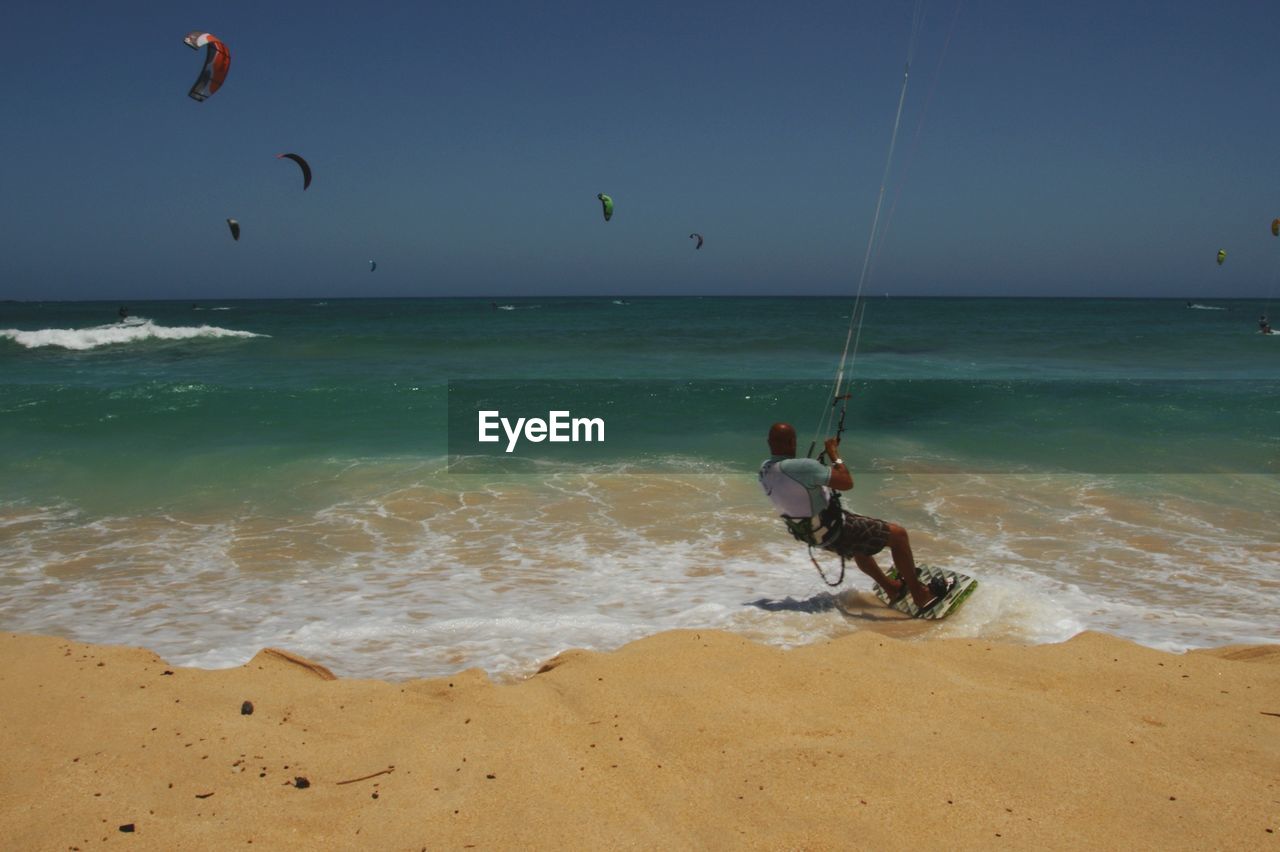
[[806, 494]]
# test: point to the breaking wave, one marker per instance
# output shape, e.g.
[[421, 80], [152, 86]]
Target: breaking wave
[[116, 333]]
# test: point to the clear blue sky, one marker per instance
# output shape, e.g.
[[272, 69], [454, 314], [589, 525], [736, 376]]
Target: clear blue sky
[[1076, 148]]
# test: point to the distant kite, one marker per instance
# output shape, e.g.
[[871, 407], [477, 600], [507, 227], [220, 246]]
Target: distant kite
[[235, 228], [373, 264], [1222, 255], [607, 203], [306, 170], [697, 237], [217, 62], [1275, 227]]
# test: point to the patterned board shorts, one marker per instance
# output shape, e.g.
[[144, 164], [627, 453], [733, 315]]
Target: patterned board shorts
[[859, 536]]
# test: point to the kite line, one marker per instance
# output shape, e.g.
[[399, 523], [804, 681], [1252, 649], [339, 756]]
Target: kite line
[[839, 397]]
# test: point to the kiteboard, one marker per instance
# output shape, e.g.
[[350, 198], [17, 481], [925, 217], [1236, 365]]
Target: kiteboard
[[962, 587]]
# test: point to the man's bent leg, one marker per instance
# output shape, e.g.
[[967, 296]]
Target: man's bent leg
[[905, 562], [868, 565]]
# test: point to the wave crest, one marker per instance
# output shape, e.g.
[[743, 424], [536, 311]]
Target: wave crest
[[107, 335]]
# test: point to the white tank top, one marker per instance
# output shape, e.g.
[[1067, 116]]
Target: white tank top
[[790, 495]]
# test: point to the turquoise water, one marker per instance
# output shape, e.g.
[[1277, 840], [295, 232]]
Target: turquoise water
[[1107, 385], [236, 451]]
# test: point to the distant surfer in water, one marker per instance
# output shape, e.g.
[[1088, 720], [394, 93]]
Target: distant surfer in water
[[1263, 325], [123, 313], [806, 494]]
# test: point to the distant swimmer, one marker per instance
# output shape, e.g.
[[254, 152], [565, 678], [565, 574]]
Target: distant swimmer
[[123, 313], [806, 494], [1263, 325]]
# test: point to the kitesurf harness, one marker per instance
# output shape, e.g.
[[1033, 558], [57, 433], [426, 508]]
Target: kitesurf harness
[[818, 531]]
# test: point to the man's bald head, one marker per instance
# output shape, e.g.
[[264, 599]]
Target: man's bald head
[[782, 439]]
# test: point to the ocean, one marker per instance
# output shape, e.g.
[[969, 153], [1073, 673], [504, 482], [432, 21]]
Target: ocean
[[209, 479]]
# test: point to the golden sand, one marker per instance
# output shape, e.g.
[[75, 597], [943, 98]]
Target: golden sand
[[684, 740]]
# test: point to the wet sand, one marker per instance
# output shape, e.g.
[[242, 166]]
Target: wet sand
[[682, 740]]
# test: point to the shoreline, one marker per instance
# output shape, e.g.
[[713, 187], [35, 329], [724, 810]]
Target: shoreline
[[694, 738]]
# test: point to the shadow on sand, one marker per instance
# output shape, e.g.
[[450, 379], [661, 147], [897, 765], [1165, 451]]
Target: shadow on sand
[[861, 606]]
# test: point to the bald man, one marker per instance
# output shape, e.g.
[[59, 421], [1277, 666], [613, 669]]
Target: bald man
[[805, 493]]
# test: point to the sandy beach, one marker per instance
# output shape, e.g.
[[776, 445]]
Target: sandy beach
[[429, 430], [685, 739]]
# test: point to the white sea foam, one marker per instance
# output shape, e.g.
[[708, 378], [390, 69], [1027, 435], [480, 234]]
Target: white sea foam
[[1140, 557], [438, 572], [132, 330]]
